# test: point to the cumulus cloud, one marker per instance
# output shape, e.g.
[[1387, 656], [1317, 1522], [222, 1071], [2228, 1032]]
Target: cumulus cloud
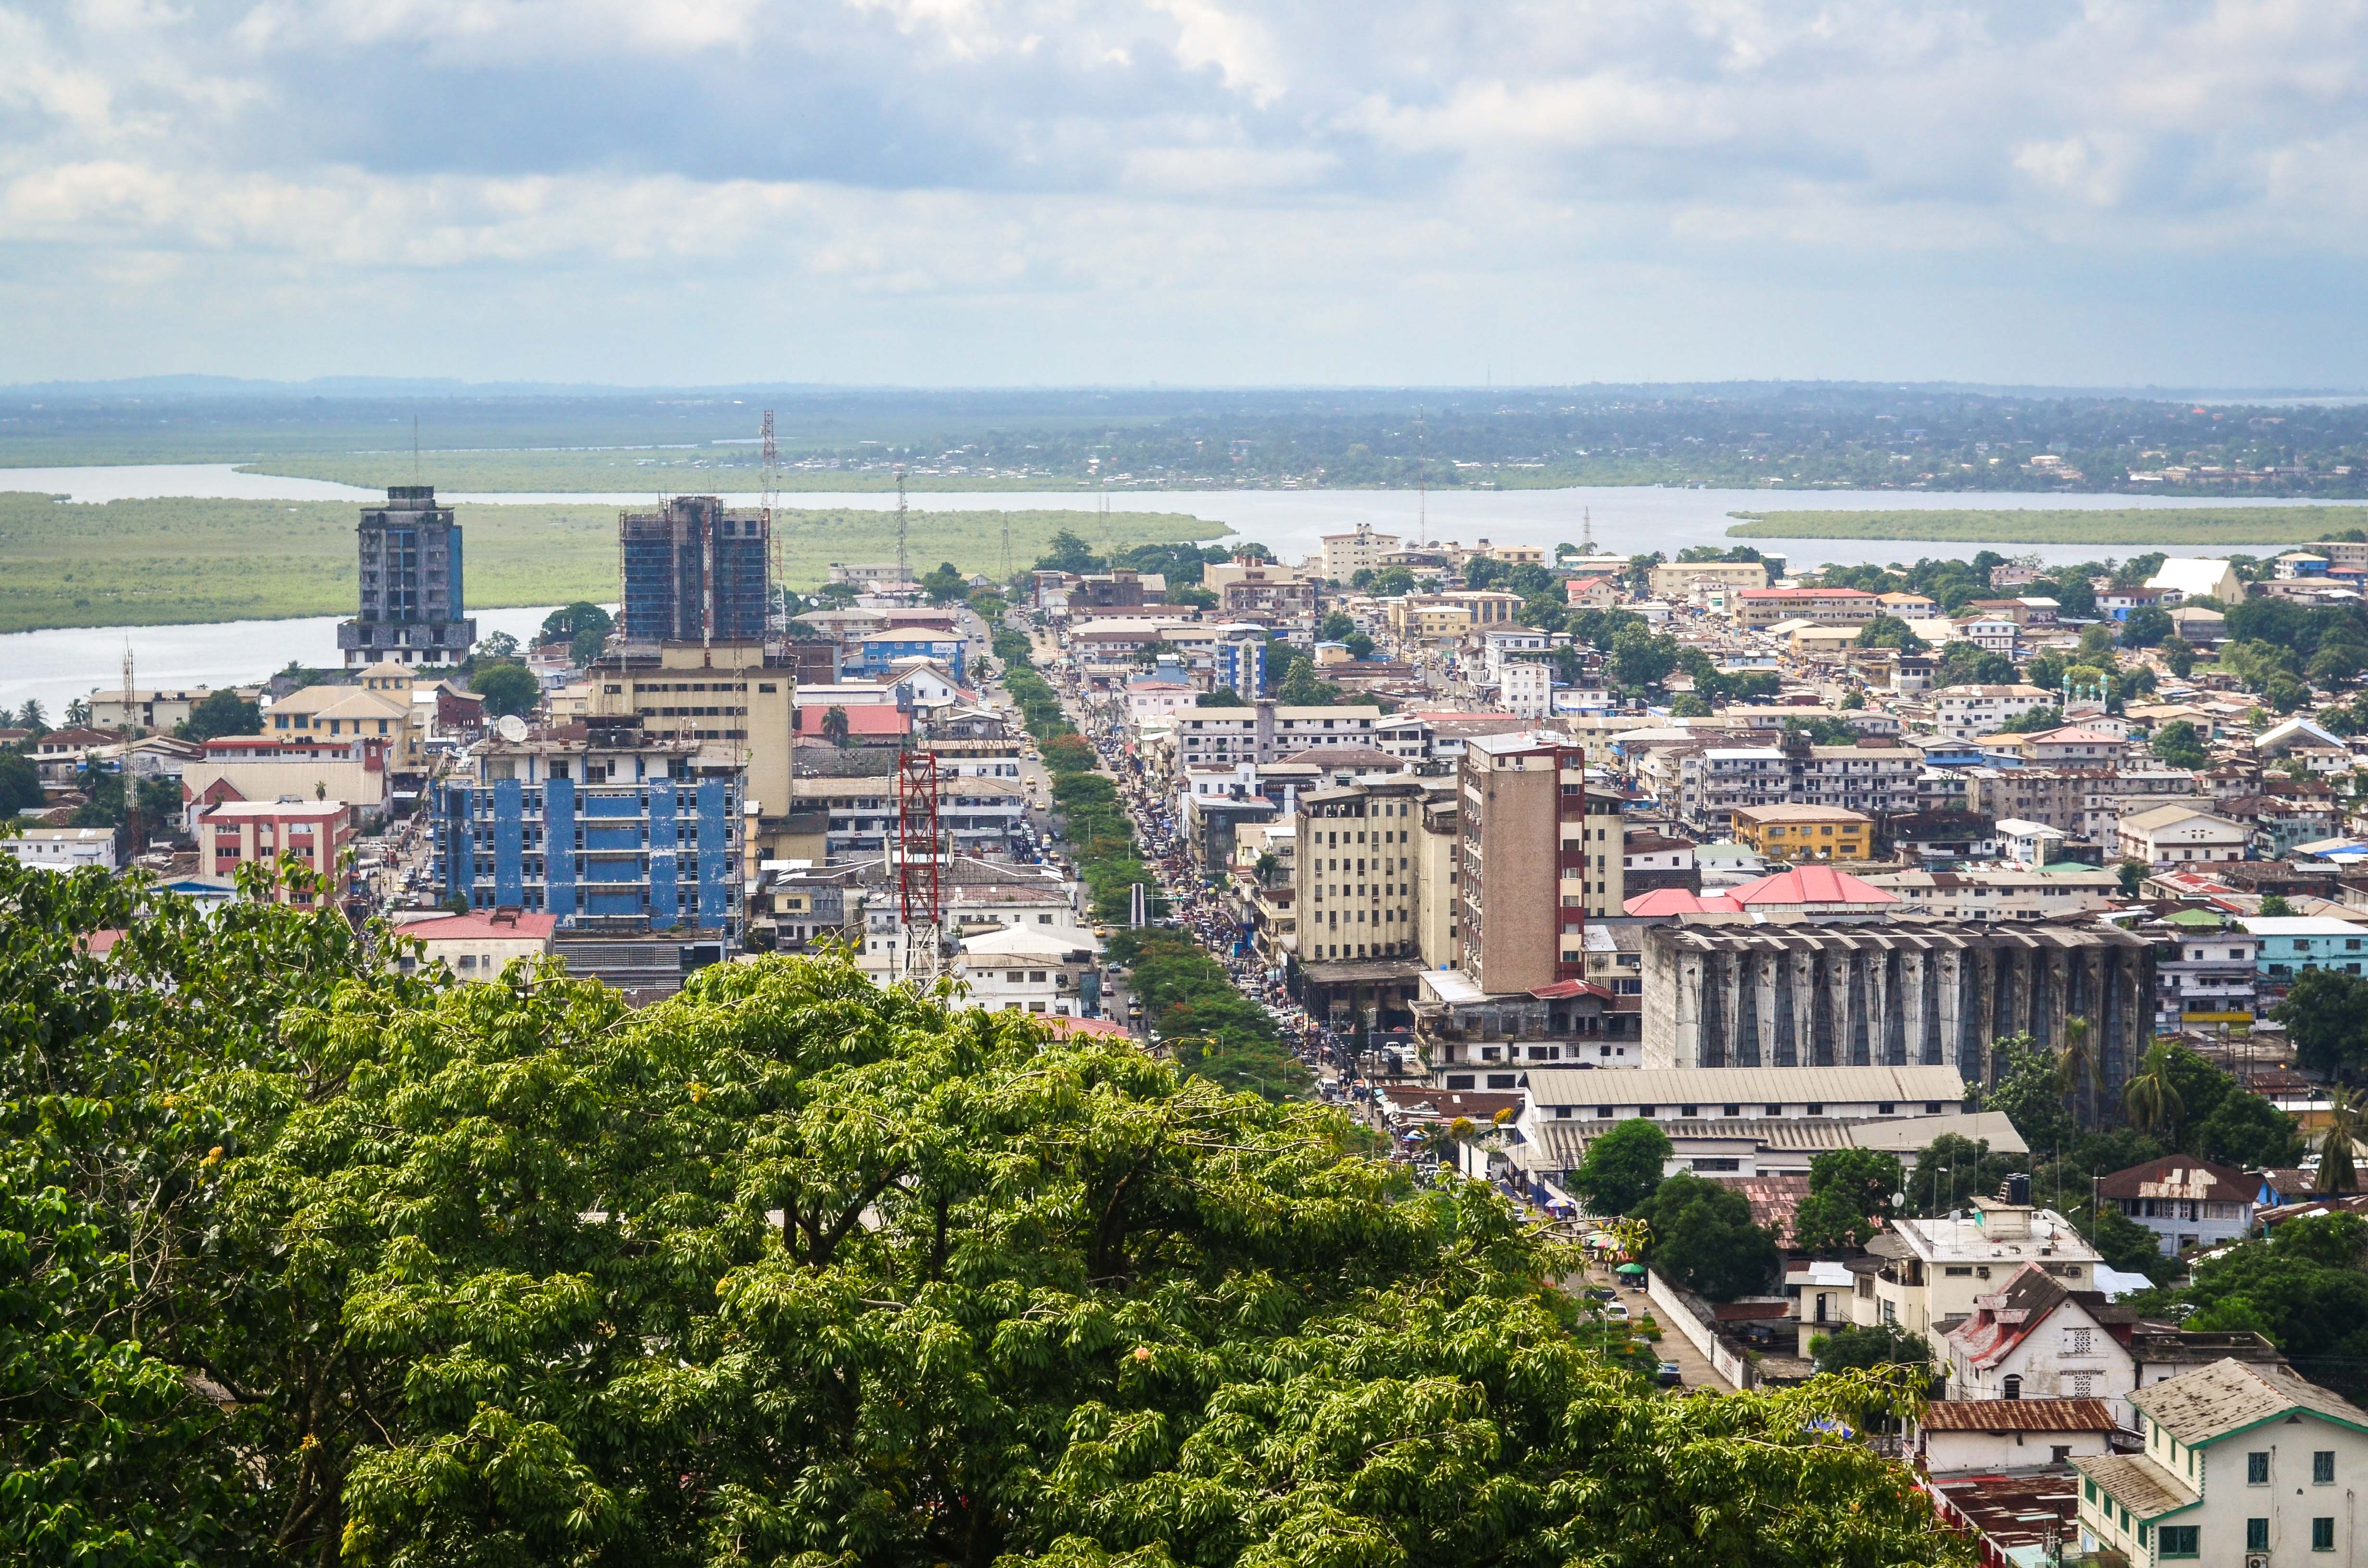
[[1245, 181]]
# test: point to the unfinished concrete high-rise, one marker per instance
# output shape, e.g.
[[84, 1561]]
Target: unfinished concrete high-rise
[[411, 589], [1897, 992], [694, 571]]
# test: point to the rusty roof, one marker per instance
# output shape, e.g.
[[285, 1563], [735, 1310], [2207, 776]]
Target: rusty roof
[[2018, 1415], [2013, 1510], [2180, 1175], [2137, 1483]]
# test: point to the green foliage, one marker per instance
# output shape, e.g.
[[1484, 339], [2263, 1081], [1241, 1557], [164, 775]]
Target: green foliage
[[1360, 646], [1890, 631], [1702, 1238], [2024, 1084], [2151, 1097], [2324, 1012], [1953, 1169], [2033, 720], [835, 727], [585, 647], [2181, 745], [1640, 660], [2127, 1245], [2303, 1288], [945, 583], [109, 805], [2147, 627], [1686, 705], [1222, 697], [1968, 664], [496, 646], [20, 783], [569, 622], [1067, 553], [1823, 729], [2179, 655], [1392, 582], [1871, 1344], [220, 712], [507, 688], [1214, 1031], [1622, 1168], [1849, 1193], [1337, 628]]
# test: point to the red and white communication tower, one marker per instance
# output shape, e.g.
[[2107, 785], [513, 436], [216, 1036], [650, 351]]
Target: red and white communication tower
[[920, 864]]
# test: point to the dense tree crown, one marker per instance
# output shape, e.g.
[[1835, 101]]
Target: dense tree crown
[[307, 1260]]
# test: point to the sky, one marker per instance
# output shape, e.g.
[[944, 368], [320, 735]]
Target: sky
[[1049, 192]]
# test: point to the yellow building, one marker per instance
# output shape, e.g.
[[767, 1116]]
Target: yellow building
[[1806, 833], [342, 712], [1423, 617]]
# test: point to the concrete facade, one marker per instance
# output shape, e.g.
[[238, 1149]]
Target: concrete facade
[[1935, 992]]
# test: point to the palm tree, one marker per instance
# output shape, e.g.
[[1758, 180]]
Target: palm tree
[[2149, 1097], [835, 726], [2079, 1067], [2337, 1170]]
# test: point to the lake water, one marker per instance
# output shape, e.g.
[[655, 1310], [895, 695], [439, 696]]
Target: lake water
[[52, 665]]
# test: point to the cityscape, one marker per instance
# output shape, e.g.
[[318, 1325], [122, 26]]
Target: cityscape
[[1183, 784]]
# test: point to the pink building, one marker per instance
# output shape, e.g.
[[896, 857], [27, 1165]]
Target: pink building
[[230, 833]]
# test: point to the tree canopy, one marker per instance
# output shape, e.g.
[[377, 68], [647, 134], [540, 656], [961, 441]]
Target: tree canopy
[[1704, 1239], [506, 687], [1620, 1169], [309, 1260]]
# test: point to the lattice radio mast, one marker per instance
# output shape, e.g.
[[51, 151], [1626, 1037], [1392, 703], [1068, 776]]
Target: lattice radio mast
[[904, 567], [920, 892], [772, 500], [131, 840]]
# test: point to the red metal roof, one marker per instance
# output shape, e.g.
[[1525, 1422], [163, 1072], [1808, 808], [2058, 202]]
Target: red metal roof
[[1811, 884], [1678, 901]]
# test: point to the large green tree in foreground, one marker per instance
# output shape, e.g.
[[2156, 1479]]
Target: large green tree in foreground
[[309, 1261]]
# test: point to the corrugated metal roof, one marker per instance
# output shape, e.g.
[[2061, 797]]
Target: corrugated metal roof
[[2018, 1415], [2213, 1401], [2136, 1483], [1764, 1085]]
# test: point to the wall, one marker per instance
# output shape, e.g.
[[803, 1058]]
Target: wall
[[1680, 1314]]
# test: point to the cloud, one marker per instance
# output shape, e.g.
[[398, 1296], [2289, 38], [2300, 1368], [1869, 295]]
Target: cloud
[[1005, 183]]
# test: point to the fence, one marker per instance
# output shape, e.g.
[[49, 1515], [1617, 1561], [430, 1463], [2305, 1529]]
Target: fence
[[1691, 1316]]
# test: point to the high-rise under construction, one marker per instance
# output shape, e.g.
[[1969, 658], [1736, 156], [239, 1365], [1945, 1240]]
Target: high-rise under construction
[[694, 571], [412, 593]]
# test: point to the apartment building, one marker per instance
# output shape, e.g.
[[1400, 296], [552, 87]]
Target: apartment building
[[241, 833], [1268, 595], [731, 696], [413, 593], [1438, 895], [1681, 581], [1713, 783], [1266, 732], [1968, 712], [1522, 803], [2181, 835], [150, 711], [1941, 1268], [1346, 555], [2000, 895], [2081, 803], [602, 824], [64, 849], [1760, 609], [1428, 618], [1356, 872], [1804, 833], [2070, 746], [1489, 607]]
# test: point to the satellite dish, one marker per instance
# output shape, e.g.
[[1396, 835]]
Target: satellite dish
[[510, 727], [1898, 1198]]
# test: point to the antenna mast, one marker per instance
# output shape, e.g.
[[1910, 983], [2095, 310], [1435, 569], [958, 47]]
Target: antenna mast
[[773, 499], [904, 567], [1421, 477], [1586, 543], [133, 842], [920, 894]]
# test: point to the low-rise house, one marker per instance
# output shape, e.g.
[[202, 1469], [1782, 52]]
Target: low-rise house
[[2000, 895], [2241, 1464], [1968, 712], [1933, 1269], [1024, 969], [2181, 836], [2034, 1338], [1785, 832], [1958, 1435], [2187, 1202], [481, 944]]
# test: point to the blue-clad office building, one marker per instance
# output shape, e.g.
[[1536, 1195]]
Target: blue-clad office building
[[611, 830]]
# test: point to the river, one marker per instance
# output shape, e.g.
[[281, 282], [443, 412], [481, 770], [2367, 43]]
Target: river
[[53, 666]]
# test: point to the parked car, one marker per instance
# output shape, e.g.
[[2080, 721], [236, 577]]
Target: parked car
[[1599, 1293], [1668, 1375], [1616, 1311]]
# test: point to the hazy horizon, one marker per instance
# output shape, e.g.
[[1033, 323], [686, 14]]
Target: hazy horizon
[[1203, 193]]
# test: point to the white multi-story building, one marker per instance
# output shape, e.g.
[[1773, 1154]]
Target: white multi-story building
[[1999, 895], [1346, 555], [1935, 1270], [1966, 712], [1525, 690], [1265, 731], [2243, 1465], [2031, 1337], [64, 849], [1717, 780]]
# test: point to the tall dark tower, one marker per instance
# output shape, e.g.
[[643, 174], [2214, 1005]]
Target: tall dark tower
[[694, 572], [411, 594]]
